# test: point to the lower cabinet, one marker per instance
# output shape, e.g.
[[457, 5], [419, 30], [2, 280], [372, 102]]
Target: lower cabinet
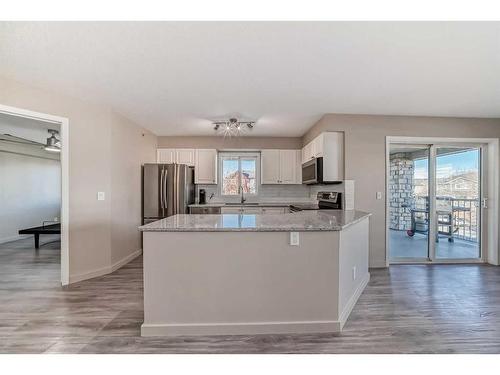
[[274, 210], [230, 210], [205, 210], [254, 210]]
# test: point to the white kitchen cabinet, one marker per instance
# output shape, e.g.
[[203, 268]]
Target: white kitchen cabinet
[[333, 156], [176, 155], [205, 168], [230, 210], [165, 155], [307, 152], [270, 166], [241, 210], [298, 173], [273, 210], [329, 146], [185, 156], [314, 149], [280, 167], [251, 210], [318, 146], [288, 166]]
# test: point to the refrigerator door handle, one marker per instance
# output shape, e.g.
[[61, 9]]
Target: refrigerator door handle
[[165, 192], [161, 190], [176, 188], [179, 187]]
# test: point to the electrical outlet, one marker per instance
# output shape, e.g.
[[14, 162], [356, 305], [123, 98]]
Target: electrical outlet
[[100, 195], [379, 195], [354, 273], [294, 238]]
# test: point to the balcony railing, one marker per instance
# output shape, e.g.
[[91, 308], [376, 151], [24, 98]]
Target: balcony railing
[[465, 216], [467, 220]]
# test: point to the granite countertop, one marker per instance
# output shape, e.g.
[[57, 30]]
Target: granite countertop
[[314, 220], [259, 204]]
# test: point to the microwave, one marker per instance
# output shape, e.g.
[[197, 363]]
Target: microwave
[[312, 172]]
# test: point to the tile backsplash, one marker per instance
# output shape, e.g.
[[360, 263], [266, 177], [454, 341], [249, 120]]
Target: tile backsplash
[[276, 193]]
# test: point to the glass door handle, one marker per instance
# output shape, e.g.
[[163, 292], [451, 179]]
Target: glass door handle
[[484, 203]]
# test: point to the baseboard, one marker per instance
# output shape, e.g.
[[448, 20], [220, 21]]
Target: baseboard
[[352, 301], [240, 328], [14, 238], [125, 260], [104, 270]]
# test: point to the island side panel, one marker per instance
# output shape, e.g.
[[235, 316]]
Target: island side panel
[[353, 271], [240, 283]]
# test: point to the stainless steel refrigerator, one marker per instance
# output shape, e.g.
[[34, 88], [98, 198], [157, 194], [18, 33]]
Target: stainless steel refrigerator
[[167, 189]]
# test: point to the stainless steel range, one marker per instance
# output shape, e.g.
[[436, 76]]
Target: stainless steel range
[[325, 201]]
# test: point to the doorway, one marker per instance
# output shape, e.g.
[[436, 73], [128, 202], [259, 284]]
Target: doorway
[[28, 146], [435, 201]]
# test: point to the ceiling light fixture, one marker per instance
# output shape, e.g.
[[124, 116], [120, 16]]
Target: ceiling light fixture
[[233, 127], [53, 144]]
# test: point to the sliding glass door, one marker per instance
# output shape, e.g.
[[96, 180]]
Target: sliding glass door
[[408, 196], [434, 201], [458, 203]]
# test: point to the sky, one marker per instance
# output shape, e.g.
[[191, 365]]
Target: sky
[[448, 165]]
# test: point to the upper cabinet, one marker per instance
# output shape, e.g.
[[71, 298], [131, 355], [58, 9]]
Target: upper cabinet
[[204, 161], [205, 169], [280, 167], [314, 149], [270, 167], [288, 166], [185, 156], [165, 155], [176, 155], [329, 146]]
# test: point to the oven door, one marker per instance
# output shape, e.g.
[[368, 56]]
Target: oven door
[[310, 172]]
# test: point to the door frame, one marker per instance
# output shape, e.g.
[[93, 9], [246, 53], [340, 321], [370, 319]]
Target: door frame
[[64, 131], [489, 183]]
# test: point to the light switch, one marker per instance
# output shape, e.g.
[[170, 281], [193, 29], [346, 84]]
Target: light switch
[[100, 195], [294, 238], [379, 195]]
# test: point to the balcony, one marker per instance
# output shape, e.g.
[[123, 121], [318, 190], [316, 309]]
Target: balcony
[[458, 228]]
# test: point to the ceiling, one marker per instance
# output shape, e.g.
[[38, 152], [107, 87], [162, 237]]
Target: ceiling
[[175, 78]]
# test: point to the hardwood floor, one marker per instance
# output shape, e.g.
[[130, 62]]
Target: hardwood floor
[[406, 309]]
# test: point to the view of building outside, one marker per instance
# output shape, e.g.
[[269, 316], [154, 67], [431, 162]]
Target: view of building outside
[[457, 186], [238, 172]]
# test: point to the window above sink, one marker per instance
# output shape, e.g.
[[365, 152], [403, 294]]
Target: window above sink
[[239, 171]]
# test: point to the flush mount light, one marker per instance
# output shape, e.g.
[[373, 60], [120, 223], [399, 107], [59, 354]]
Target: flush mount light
[[53, 144], [233, 127]]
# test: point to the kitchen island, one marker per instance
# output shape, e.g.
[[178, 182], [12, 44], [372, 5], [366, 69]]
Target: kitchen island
[[225, 274]]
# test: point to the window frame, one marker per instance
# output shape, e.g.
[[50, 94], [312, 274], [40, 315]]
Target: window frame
[[240, 155]]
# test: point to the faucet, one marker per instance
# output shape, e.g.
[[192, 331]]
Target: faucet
[[242, 196]]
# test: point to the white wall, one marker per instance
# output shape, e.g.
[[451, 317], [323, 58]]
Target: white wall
[[30, 192], [90, 171], [131, 147]]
